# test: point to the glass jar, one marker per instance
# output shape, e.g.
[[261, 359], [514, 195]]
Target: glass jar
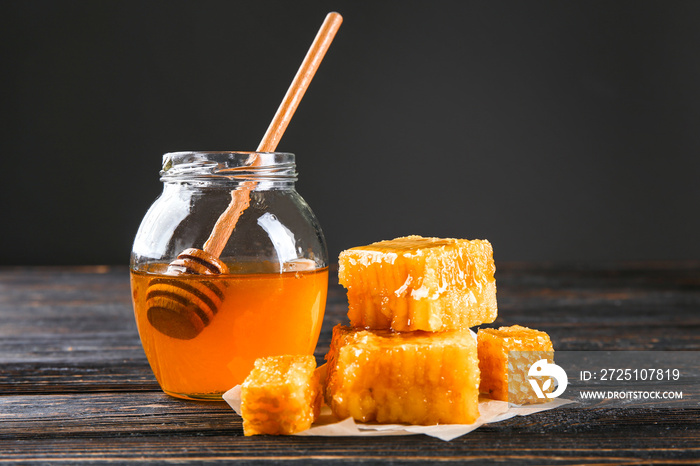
[[202, 329]]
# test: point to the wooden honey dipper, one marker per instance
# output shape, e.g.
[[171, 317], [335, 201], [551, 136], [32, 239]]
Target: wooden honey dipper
[[182, 309]]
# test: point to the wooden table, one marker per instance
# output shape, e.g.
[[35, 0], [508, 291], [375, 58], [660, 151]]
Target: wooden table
[[75, 385]]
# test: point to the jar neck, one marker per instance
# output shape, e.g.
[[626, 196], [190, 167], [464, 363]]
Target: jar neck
[[258, 170]]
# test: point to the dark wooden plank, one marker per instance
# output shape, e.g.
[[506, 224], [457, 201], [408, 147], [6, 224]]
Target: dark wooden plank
[[111, 376], [159, 430], [110, 414], [69, 330], [64, 301], [100, 414]]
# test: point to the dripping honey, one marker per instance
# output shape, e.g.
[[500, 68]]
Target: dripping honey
[[262, 314]]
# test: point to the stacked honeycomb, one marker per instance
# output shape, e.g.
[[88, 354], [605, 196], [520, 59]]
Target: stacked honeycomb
[[408, 356]]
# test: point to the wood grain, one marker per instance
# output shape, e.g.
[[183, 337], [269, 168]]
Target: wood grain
[[75, 386]]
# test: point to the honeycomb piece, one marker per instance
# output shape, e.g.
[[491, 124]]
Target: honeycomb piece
[[416, 283], [511, 351], [412, 377], [281, 396]]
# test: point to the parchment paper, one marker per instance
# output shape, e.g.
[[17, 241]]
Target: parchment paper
[[328, 425]]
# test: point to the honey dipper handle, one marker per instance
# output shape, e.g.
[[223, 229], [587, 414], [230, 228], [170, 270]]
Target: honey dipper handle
[[301, 82], [240, 198]]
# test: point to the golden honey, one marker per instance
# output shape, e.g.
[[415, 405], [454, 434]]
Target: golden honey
[[260, 314]]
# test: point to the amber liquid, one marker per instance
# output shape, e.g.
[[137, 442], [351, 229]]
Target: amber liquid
[[264, 314]]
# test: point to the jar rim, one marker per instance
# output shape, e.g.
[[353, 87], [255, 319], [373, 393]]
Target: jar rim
[[228, 165], [246, 152]]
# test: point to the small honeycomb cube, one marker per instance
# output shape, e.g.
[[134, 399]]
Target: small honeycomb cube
[[282, 395], [416, 283], [412, 377], [505, 356]]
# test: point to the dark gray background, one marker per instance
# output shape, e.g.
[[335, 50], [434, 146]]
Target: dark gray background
[[560, 131]]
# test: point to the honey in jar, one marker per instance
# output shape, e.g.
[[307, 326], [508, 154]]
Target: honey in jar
[[261, 315], [270, 301]]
